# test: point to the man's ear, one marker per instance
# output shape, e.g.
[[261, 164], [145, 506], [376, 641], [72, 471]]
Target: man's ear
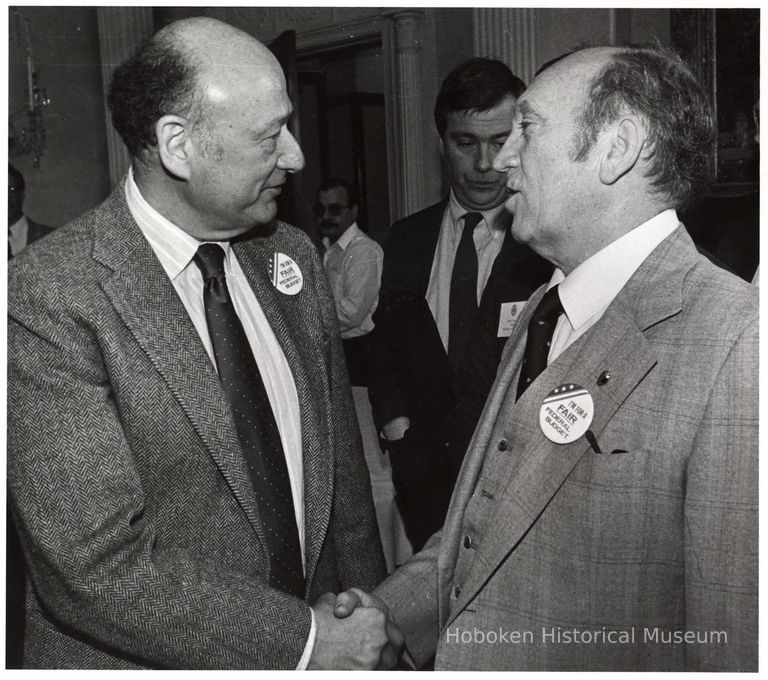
[[173, 144], [624, 142], [353, 210]]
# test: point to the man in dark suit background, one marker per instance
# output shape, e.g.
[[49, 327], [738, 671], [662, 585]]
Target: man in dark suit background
[[184, 464], [21, 229], [438, 265]]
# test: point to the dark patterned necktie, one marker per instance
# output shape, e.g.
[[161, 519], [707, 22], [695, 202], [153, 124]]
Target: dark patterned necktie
[[462, 306], [540, 330], [255, 423]]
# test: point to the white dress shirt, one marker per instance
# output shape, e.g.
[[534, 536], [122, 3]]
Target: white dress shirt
[[488, 237], [353, 265], [590, 288], [175, 250]]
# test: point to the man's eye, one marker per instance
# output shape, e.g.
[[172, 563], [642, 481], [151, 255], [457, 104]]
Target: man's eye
[[464, 144], [524, 127], [270, 142]]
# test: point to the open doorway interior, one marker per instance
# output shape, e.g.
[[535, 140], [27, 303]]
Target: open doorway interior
[[343, 129]]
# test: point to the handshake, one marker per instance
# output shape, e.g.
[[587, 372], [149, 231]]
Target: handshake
[[354, 632]]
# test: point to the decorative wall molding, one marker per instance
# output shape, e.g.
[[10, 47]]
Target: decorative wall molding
[[409, 137], [509, 35], [121, 31], [344, 34]]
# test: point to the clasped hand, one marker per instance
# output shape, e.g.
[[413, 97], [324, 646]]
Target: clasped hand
[[354, 632]]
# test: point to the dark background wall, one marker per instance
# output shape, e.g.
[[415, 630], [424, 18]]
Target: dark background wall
[[73, 174]]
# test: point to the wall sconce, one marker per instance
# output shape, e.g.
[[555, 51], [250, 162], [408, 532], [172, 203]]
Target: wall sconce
[[26, 128]]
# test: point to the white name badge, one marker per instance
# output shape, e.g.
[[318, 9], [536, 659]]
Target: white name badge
[[566, 413], [285, 274], [507, 317]]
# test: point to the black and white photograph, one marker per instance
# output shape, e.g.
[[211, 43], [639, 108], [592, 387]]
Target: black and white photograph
[[382, 338]]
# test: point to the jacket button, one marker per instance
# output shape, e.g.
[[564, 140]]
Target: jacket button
[[605, 376], [457, 591], [503, 445], [467, 542]]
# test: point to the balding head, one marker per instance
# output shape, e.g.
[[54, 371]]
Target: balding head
[[204, 111], [656, 85], [224, 57], [602, 141], [211, 41], [182, 69]]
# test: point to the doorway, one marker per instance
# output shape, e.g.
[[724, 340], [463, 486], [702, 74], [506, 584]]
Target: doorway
[[342, 120]]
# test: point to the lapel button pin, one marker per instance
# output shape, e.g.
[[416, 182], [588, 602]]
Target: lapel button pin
[[605, 376]]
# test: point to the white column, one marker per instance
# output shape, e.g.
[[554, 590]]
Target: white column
[[407, 113], [509, 35], [122, 30]]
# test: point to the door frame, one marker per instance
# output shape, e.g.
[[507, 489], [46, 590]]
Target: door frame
[[406, 181]]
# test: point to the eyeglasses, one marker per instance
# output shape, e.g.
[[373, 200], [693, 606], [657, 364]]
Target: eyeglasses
[[334, 209]]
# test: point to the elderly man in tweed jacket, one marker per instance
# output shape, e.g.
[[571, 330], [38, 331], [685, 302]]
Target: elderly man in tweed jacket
[[146, 540], [605, 517]]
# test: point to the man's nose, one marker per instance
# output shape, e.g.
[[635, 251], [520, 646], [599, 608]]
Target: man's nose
[[291, 157], [484, 159], [507, 157]]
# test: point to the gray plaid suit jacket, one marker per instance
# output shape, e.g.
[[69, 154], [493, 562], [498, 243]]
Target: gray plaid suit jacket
[[543, 538], [140, 529]]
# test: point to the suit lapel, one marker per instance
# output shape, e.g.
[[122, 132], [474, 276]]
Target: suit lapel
[[617, 344], [288, 317], [425, 255], [146, 300], [503, 265]]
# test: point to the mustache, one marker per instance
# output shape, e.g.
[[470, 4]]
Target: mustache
[[328, 224]]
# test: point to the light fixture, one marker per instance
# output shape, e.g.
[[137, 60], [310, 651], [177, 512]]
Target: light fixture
[[26, 127]]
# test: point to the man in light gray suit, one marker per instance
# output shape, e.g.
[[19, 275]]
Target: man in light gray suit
[[606, 513], [184, 463]]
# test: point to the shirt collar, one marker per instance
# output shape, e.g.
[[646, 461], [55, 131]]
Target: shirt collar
[[345, 239], [490, 222], [592, 286], [174, 247]]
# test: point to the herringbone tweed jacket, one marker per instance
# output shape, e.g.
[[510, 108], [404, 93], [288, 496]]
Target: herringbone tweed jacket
[[655, 536], [139, 526]]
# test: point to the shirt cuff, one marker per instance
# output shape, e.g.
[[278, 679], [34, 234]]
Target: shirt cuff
[[310, 646]]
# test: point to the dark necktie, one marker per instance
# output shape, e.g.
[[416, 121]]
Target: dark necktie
[[462, 307], [540, 330], [255, 423]]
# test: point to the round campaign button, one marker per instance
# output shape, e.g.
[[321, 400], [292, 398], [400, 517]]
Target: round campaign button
[[285, 274], [566, 413]]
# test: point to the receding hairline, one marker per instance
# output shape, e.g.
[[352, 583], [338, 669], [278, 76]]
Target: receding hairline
[[209, 45], [216, 52]]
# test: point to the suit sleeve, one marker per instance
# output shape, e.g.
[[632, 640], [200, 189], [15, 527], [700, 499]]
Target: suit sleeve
[[360, 558], [387, 373], [721, 518], [411, 594], [86, 522]]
